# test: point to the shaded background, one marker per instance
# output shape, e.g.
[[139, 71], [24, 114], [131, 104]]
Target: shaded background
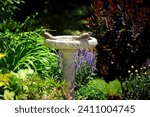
[[63, 16]]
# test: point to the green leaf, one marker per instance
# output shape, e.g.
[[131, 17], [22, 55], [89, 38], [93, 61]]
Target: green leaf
[[9, 95]]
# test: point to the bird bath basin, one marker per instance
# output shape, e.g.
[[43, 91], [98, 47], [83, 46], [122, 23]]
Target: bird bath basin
[[68, 45]]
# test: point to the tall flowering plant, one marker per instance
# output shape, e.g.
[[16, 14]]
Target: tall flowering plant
[[84, 65]]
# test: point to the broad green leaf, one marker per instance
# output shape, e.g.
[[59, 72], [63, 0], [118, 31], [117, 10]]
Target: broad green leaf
[[9, 95]]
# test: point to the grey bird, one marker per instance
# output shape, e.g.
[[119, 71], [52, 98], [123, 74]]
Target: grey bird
[[48, 36], [84, 36]]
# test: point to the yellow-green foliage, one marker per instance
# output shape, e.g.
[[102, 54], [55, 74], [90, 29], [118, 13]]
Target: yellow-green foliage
[[4, 79], [9, 95], [2, 55]]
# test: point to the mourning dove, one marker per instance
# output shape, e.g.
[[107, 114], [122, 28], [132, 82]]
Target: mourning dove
[[84, 36], [48, 36]]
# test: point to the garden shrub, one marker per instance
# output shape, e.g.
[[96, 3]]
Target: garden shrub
[[26, 50], [23, 49], [32, 87], [122, 29], [137, 89], [90, 92], [98, 89], [138, 85], [28, 69], [50, 88]]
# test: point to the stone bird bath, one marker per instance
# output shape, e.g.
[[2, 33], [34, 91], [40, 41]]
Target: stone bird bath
[[68, 45]]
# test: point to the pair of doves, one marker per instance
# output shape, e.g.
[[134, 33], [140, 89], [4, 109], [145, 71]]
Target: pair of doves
[[80, 37]]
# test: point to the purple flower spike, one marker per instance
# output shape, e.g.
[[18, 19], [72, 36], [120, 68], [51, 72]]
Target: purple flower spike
[[94, 66], [86, 53], [88, 62], [88, 59], [80, 61], [93, 58], [76, 67], [79, 52]]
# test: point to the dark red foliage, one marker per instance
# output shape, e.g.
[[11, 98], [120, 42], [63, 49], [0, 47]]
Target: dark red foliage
[[122, 28]]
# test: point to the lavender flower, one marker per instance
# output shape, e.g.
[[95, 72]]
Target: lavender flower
[[79, 52], [88, 59], [85, 58], [80, 60], [94, 66], [94, 58], [86, 53], [76, 67]]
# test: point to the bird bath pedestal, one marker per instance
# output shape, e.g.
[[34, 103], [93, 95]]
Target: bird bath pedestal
[[68, 45]]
